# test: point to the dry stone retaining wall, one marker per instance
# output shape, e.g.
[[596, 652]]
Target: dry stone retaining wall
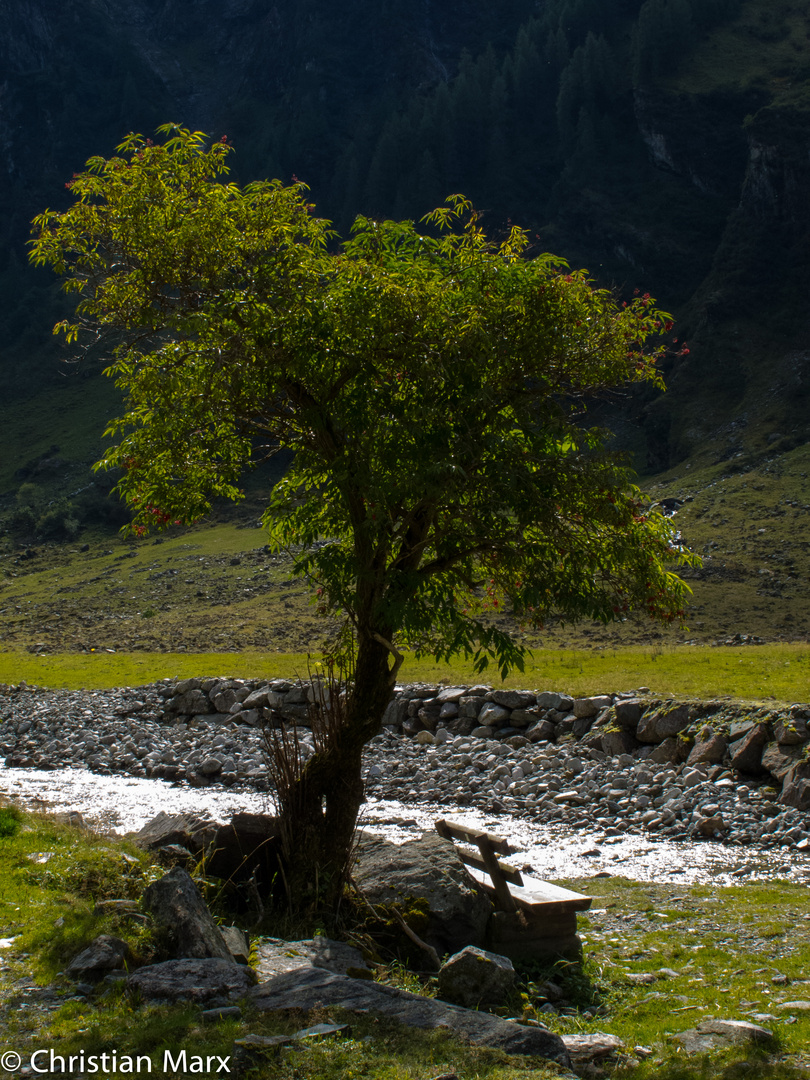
[[629, 761], [752, 740]]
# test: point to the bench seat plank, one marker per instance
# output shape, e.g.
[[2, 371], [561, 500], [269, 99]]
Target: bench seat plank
[[535, 893]]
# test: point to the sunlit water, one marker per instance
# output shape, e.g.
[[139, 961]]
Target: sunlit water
[[123, 804]]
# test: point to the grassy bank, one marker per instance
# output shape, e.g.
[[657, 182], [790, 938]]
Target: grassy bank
[[215, 588], [725, 953], [756, 673]]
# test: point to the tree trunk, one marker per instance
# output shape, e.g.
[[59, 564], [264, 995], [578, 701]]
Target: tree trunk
[[318, 815]]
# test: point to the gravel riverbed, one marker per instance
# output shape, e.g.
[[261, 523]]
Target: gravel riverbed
[[570, 810]]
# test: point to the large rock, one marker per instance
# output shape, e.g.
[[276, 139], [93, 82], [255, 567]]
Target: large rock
[[551, 700], [103, 955], [308, 987], [276, 956], [491, 715], [713, 1034], [428, 868], [247, 846], [619, 742], [796, 787], [790, 731], [779, 759], [476, 977], [628, 713], [746, 753], [661, 723], [666, 753], [709, 749], [544, 730], [189, 831], [175, 904], [191, 980], [586, 707], [591, 1050], [513, 699], [191, 703]]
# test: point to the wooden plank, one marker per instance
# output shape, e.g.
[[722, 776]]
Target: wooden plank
[[543, 898], [508, 873], [505, 898], [548, 893], [540, 897], [451, 830]]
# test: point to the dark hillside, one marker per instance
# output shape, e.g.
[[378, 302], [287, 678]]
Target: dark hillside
[[663, 144]]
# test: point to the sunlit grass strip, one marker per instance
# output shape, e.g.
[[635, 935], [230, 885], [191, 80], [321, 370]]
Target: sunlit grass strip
[[759, 673]]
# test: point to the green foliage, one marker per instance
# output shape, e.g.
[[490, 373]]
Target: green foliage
[[10, 819], [59, 522], [431, 387]]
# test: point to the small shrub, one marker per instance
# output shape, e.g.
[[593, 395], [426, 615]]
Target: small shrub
[[59, 522], [10, 820]]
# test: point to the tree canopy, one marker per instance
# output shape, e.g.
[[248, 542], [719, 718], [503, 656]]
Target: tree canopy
[[432, 387], [430, 383]]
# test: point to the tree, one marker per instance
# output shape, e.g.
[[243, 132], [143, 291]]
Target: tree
[[431, 387]]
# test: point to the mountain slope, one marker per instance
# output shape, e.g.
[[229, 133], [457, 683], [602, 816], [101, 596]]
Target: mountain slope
[[663, 144]]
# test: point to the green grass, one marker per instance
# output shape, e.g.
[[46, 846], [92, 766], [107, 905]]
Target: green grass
[[758, 673], [214, 592], [723, 948]]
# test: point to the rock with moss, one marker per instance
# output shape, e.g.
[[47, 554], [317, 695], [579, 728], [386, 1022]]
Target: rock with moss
[[307, 988], [103, 955], [191, 980], [658, 724], [176, 906], [796, 787], [428, 869], [710, 748], [475, 977]]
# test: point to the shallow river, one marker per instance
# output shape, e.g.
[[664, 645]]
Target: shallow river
[[124, 803]]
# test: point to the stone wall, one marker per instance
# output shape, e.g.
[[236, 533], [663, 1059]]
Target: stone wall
[[752, 740]]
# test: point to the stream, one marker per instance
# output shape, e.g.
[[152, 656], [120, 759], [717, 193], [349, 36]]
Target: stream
[[121, 804]]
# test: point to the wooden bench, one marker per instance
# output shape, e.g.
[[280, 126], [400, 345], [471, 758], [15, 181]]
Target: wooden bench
[[533, 918]]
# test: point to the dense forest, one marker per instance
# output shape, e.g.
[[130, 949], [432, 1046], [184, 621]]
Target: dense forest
[[661, 144]]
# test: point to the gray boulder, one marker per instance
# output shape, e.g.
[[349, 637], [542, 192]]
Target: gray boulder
[[189, 831], [746, 753], [661, 723], [589, 706], [790, 731], [308, 987], [590, 1051], [276, 956], [189, 704], [103, 955], [619, 742], [666, 753], [237, 943], [428, 868], [191, 980], [476, 977], [513, 699], [175, 903], [796, 787], [551, 700], [542, 731], [493, 714], [709, 749], [779, 759], [628, 713], [713, 1034]]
